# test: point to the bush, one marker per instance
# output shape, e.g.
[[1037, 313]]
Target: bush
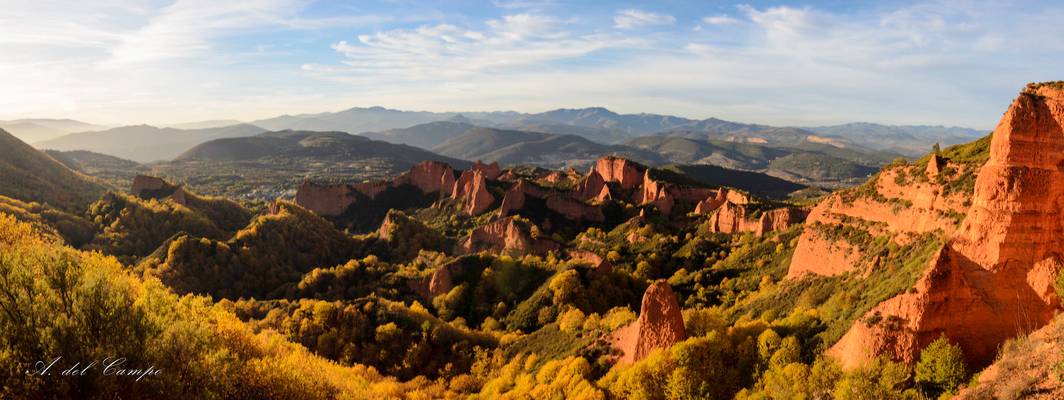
[[941, 368]]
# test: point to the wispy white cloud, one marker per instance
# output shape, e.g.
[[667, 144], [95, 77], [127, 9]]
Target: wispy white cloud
[[631, 18], [720, 19], [449, 51]]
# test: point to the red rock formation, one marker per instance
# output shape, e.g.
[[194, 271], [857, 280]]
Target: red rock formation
[[429, 176], [471, 191], [329, 200], [574, 210], [561, 203], [490, 171], [145, 186], [506, 236], [600, 264], [990, 281], [730, 218], [934, 166], [660, 325], [898, 210], [440, 283], [712, 202], [614, 169], [592, 186], [779, 219]]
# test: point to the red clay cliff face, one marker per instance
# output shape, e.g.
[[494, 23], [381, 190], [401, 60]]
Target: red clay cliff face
[[614, 169], [660, 325], [991, 281], [429, 176], [472, 193], [898, 210], [334, 199], [490, 171], [559, 202], [506, 236]]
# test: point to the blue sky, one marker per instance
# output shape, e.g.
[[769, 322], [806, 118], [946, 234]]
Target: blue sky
[[785, 63]]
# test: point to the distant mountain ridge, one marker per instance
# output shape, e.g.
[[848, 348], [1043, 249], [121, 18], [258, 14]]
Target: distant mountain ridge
[[145, 143]]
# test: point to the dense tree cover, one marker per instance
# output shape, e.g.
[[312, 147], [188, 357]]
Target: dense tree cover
[[131, 227], [74, 229], [406, 237], [400, 341], [263, 260], [57, 301]]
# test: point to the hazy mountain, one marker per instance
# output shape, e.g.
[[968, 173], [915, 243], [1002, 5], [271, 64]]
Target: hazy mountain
[[215, 123], [144, 143], [807, 162], [601, 118], [716, 152], [425, 136], [910, 140], [354, 120], [34, 130], [30, 175], [509, 147], [312, 146]]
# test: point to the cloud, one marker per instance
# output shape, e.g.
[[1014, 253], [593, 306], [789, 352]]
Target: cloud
[[720, 20], [450, 51], [630, 19]]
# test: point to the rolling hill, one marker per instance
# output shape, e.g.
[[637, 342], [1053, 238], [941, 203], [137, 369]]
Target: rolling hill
[[30, 175], [316, 146], [909, 140], [38, 129], [145, 143], [510, 147]]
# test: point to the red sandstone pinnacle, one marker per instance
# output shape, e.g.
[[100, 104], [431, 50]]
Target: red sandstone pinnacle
[[472, 192], [490, 171], [614, 169], [506, 236], [990, 282], [429, 176], [660, 325], [592, 186], [145, 183]]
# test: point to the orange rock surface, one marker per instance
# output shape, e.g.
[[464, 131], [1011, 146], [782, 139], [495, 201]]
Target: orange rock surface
[[471, 191], [614, 169], [991, 281], [490, 171], [659, 326]]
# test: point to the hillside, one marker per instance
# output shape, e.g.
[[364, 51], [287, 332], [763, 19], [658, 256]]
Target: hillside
[[30, 175], [116, 171], [510, 147], [314, 146], [425, 136], [144, 143], [909, 140]]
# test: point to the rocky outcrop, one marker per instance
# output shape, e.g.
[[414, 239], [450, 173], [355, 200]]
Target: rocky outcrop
[[598, 263], [779, 219], [624, 172], [328, 200], [990, 281], [429, 176], [440, 282], [934, 166], [659, 326], [593, 186], [509, 235], [559, 202], [891, 208], [334, 199], [150, 187], [490, 171], [471, 192]]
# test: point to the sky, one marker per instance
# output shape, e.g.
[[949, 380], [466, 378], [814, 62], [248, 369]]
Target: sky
[[774, 62]]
